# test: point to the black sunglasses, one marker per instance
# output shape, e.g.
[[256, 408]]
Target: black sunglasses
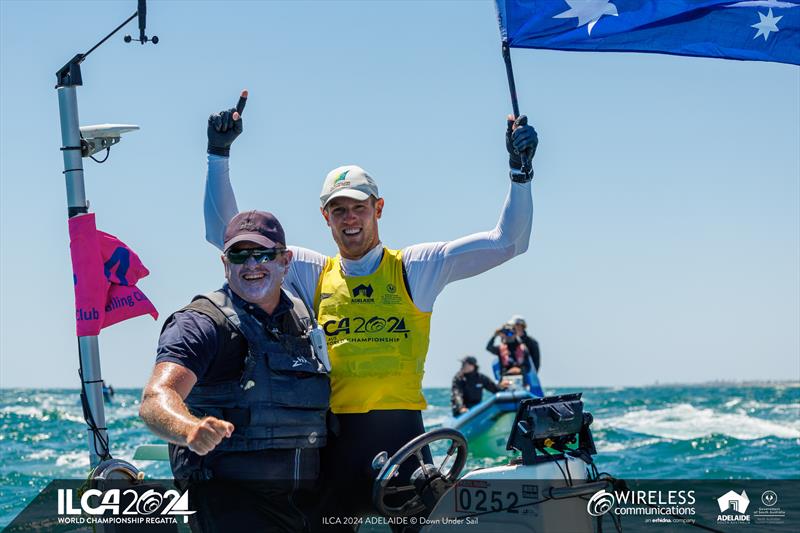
[[261, 255]]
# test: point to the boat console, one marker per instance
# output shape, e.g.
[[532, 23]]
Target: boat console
[[555, 423], [545, 488]]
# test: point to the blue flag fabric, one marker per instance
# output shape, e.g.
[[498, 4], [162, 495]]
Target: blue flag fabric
[[759, 30]]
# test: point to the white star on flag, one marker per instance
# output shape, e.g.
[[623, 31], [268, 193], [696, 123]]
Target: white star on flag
[[764, 3], [767, 25], [588, 11]]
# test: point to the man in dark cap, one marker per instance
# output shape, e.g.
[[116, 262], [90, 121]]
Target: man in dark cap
[[468, 386], [239, 392]]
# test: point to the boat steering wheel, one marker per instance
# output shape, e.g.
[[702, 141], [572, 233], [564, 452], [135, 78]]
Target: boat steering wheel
[[428, 482]]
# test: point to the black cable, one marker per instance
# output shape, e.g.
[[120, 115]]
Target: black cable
[[566, 465], [695, 524], [88, 416], [616, 520], [563, 474], [108, 152], [567, 479]]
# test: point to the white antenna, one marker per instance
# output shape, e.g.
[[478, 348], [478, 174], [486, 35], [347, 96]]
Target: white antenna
[[102, 136]]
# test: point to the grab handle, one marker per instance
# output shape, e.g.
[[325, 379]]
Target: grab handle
[[580, 490]]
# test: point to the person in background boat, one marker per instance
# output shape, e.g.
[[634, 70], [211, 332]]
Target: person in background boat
[[468, 386], [376, 373], [238, 392], [108, 392], [512, 353], [519, 326]]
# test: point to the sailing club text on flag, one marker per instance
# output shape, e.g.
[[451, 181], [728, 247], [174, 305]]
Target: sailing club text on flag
[[105, 273]]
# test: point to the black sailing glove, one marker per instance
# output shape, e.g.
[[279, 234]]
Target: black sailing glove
[[521, 143], [224, 127]]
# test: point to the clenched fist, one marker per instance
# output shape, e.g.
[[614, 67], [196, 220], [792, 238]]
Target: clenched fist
[[207, 434]]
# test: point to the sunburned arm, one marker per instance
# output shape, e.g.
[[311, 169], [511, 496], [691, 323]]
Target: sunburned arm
[[431, 266], [166, 414], [219, 203], [163, 409]]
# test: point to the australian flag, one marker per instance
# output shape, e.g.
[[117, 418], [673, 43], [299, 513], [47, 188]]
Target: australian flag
[[757, 30]]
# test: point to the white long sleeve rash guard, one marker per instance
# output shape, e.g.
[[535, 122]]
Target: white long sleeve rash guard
[[429, 266]]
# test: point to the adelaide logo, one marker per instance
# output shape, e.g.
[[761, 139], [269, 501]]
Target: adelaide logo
[[733, 507], [363, 290]]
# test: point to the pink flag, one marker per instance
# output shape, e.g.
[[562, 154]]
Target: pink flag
[[105, 272]]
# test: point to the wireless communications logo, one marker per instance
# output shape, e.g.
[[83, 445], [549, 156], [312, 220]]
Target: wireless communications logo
[[600, 503], [663, 505], [123, 506]]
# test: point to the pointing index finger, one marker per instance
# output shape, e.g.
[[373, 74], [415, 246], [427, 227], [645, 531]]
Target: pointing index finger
[[242, 102]]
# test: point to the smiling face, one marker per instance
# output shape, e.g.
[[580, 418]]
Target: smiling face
[[354, 224], [254, 282]]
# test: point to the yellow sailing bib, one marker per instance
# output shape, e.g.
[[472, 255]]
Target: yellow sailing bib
[[377, 338]]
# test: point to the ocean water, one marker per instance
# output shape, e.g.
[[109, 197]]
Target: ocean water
[[716, 431]]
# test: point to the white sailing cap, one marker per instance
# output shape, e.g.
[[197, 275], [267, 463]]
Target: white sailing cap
[[349, 181], [517, 319]]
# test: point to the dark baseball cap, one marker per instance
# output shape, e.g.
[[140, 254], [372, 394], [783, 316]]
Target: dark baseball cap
[[470, 360], [258, 227]]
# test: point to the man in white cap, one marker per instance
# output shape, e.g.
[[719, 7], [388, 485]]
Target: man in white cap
[[373, 302]]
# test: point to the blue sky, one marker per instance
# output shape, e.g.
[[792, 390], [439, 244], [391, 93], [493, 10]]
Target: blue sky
[[666, 241]]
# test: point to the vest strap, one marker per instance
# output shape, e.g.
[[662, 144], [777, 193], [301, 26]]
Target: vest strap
[[224, 304]]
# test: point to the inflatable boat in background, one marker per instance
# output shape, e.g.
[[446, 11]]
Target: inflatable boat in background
[[487, 425]]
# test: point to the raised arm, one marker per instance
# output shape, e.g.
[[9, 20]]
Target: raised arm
[[490, 347], [219, 203], [431, 266]]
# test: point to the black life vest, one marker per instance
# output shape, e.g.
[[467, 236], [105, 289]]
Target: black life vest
[[282, 397]]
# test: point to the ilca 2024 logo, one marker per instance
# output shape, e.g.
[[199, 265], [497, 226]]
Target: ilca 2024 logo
[[123, 506]]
